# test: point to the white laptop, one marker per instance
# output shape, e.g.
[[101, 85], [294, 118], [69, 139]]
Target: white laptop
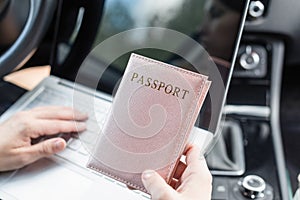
[[64, 175]]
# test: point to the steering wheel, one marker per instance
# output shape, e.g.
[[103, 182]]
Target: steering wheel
[[23, 38], [18, 44]]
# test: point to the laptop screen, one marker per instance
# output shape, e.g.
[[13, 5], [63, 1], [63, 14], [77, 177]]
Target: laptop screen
[[177, 32]]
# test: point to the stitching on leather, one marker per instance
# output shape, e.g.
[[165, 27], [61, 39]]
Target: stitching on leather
[[182, 135], [117, 178], [189, 115], [169, 66]]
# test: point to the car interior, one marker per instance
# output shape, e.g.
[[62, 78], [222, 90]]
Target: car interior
[[256, 155]]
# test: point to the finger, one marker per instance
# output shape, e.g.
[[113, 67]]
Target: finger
[[187, 148], [197, 165], [156, 186], [43, 149], [59, 112], [196, 180], [192, 155], [198, 171], [51, 127]]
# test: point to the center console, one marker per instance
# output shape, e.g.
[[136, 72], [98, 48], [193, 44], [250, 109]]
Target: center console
[[254, 167]]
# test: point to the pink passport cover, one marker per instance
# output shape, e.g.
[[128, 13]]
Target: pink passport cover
[[152, 115]]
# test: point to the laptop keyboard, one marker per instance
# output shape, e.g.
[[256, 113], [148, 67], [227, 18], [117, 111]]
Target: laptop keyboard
[[79, 145]]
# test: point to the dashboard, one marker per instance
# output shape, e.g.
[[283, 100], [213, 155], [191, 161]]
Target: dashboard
[[261, 127]]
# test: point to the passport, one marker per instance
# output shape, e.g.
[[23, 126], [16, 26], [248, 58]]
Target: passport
[[151, 118]]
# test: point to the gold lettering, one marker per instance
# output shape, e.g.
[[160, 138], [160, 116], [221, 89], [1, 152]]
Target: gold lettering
[[161, 85], [154, 85], [175, 93], [148, 82], [134, 75], [170, 90], [141, 80], [184, 93]]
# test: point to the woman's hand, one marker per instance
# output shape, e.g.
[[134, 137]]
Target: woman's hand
[[16, 149], [191, 181]]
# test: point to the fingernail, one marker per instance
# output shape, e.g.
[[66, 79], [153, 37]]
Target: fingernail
[[147, 174], [59, 145]]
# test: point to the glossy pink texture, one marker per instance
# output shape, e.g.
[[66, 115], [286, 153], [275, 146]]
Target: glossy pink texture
[[152, 114]]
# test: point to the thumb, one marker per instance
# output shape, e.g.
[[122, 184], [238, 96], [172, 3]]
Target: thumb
[[46, 148], [157, 186]]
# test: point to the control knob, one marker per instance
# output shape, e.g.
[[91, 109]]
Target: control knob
[[250, 59], [256, 9], [252, 186]]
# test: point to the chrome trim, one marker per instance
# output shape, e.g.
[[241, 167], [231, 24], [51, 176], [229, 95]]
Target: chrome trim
[[260, 187], [276, 77], [256, 9], [256, 111], [252, 55]]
